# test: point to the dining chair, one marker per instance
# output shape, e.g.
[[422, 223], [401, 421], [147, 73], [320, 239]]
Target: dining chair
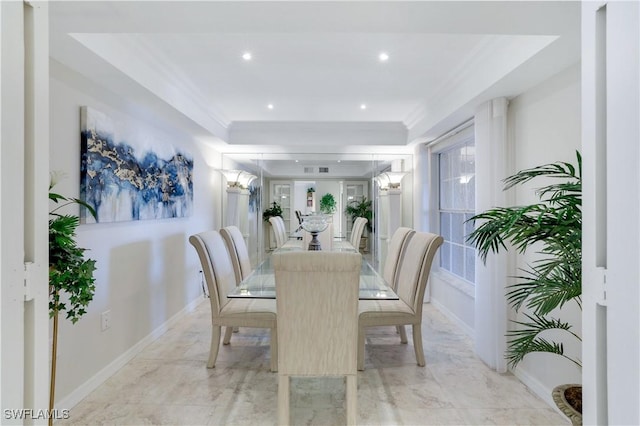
[[412, 278], [356, 232], [221, 280], [239, 253], [395, 251], [277, 223], [317, 301]]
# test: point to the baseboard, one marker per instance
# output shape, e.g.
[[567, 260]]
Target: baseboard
[[537, 388], [90, 385], [453, 318]]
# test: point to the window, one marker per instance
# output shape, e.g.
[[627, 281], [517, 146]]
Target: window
[[456, 206]]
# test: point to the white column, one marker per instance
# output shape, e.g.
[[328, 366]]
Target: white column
[[233, 207], [395, 211], [243, 214], [382, 230], [611, 222], [491, 278]]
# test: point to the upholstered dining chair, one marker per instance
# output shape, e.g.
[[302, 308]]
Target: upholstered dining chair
[[238, 251], [277, 223], [239, 259], [221, 280], [412, 277], [356, 232], [397, 245], [317, 300]]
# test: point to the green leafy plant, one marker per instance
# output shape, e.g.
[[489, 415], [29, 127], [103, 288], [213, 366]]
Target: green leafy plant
[[274, 210], [70, 274], [555, 224], [361, 208], [310, 189], [328, 204]]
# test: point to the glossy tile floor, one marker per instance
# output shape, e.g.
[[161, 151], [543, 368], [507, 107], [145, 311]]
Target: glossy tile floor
[[168, 383]]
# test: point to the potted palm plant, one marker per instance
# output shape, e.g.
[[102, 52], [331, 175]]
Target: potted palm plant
[[361, 208], [554, 224], [274, 210]]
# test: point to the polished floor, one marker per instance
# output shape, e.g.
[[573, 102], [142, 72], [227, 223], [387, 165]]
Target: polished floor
[[168, 383]]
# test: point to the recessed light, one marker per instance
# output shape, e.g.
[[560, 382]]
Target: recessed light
[[270, 106], [383, 56], [363, 106], [246, 56]]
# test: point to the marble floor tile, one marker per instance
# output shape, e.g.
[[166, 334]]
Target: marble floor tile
[[168, 383]]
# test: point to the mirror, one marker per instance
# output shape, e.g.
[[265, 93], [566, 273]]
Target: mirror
[[299, 181]]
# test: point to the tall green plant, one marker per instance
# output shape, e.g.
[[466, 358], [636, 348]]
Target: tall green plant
[[361, 208], [555, 222], [70, 274]]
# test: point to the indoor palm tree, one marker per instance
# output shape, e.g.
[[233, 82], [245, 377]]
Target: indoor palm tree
[[555, 223]]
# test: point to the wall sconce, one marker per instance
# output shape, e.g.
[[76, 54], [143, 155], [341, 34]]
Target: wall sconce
[[390, 180], [383, 181], [237, 178]]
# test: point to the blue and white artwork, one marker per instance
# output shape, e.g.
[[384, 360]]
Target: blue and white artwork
[[125, 183]]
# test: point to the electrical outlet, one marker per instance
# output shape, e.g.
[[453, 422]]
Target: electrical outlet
[[105, 320]]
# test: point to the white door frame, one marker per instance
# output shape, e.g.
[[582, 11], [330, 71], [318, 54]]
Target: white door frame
[[24, 170], [611, 221]]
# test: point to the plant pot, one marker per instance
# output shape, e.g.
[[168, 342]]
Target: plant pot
[[564, 396]]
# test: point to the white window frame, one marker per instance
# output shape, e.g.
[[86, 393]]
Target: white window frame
[[463, 135]]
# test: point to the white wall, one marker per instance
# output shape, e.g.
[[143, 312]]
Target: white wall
[[544, 126], [147, 272]]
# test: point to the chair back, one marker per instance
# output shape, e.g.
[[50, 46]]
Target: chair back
[[317, 305], [238, 251], [356, 231], [414, 268], [397, 245], [279, 230], [216, 267]]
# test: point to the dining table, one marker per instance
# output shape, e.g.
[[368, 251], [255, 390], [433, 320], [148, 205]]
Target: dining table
[[261, 283]]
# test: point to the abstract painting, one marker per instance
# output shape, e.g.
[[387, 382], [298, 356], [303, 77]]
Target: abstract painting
[[125, 181]]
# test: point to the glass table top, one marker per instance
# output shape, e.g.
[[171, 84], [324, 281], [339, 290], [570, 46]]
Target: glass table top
[[261, 283]]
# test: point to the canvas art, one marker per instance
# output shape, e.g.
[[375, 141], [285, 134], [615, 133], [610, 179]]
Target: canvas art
[[131, 180]]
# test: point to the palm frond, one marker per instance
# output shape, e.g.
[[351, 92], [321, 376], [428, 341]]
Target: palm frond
[[555, 225], [527, 339]]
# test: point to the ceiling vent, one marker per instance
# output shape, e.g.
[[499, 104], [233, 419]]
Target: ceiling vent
[[308, 169], [323, 170]]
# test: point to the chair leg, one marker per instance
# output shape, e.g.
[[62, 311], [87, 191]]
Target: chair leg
[[274, 350], [215, 344], [352, 399], [227, 335], [283, 399], [403, 334], [417, 344], [361, 336]]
